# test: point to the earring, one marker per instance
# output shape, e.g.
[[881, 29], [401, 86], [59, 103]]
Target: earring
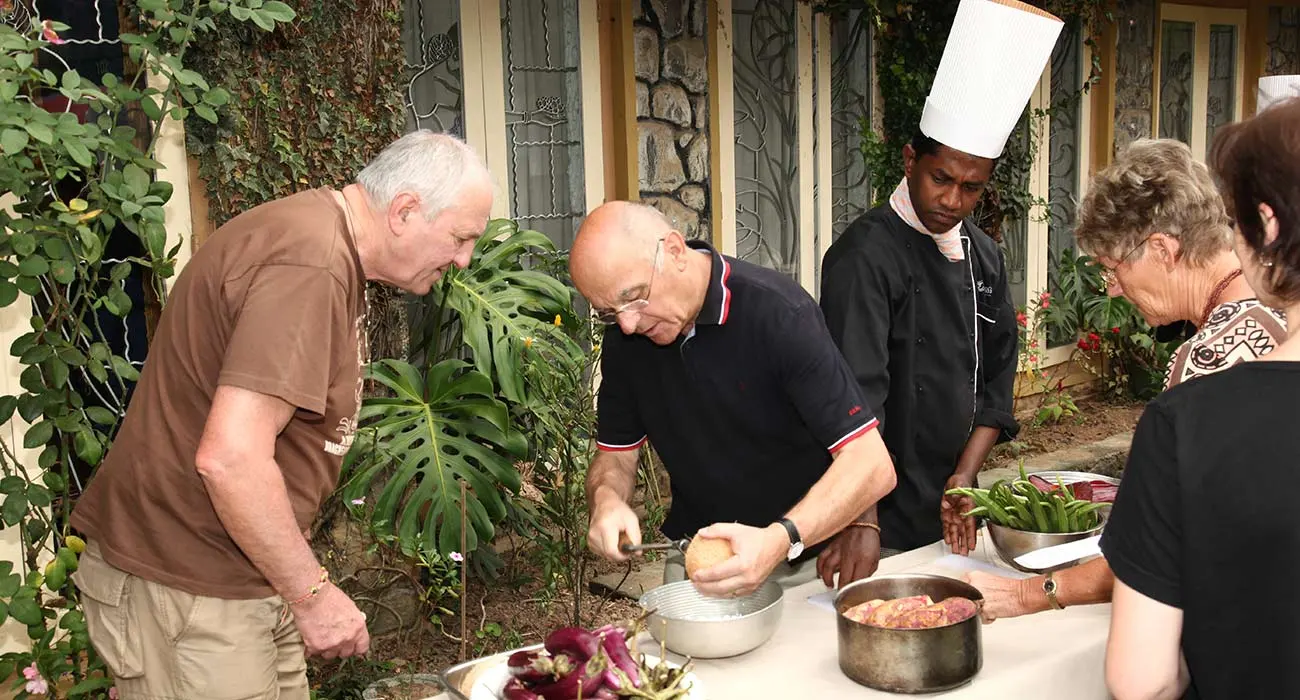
[[1268, 263]]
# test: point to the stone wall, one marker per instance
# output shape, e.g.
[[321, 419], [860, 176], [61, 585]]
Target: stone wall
[[672, 109], [1134, 92]]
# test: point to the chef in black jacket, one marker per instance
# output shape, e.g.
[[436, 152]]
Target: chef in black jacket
[[916, 296]]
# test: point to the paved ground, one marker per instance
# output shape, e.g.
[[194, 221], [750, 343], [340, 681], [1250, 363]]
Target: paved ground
[[1101, 457]]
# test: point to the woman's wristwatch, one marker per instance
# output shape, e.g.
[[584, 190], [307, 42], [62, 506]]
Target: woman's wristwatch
[[1049, 587]]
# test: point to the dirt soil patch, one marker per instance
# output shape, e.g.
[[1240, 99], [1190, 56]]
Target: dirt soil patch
[[1098, 419]]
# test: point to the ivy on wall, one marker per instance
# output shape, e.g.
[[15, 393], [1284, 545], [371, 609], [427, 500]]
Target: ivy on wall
[[311, 103]]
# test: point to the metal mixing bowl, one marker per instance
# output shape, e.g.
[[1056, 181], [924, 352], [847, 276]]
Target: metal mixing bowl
[[1011, 543], [923, 660], [702, 627]]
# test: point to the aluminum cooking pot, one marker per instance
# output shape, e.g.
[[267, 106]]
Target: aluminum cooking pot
[[909, 660]]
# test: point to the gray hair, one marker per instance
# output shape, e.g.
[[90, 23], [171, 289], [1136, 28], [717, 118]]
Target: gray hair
[[1154, 186], [434, 167]]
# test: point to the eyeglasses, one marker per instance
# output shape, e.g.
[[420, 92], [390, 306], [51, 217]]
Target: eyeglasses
[[1108, 276], [610, 317]]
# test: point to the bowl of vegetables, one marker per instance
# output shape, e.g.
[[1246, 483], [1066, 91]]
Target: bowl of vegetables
[[575, 663], [1032, 512]]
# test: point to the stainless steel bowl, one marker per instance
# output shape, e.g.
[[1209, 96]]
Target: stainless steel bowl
[[703, 627], [909, 660], [1011, 543]]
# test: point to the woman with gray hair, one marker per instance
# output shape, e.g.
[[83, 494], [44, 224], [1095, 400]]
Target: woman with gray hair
[[1156, 224], [1203, 538]]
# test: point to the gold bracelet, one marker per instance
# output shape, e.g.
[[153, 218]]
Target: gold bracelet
[[873, 526], [314, 590]]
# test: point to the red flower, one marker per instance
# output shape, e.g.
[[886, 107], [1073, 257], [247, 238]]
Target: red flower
[[1045, 303], [1115, 330], [1021, 319], [47, 31], [1044, 296], [1083, 344], [1094, 337]]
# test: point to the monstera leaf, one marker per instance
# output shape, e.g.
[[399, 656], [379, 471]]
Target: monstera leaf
[[505, 308], [434, 432]]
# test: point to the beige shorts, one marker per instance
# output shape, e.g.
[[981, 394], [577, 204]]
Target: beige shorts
[[161, 643]]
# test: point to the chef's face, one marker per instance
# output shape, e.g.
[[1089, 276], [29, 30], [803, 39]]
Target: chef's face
[[946, 185]]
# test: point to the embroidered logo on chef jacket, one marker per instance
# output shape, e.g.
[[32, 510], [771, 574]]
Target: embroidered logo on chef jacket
[[983, 288]]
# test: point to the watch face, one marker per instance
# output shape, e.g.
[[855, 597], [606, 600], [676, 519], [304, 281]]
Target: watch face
[[795, 550]]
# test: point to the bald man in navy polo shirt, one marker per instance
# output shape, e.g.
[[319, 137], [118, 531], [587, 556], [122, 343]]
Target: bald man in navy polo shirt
[[727, 369]]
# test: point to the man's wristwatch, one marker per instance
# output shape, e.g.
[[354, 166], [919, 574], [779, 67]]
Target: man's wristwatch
[[796, 542], [1049, 587]]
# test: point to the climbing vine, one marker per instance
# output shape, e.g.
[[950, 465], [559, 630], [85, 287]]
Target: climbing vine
[[311, 103]]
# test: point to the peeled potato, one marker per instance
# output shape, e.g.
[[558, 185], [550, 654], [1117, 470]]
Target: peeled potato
[[704, 552]]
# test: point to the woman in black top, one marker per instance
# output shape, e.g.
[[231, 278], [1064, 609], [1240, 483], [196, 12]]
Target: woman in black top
[[1203, 538]]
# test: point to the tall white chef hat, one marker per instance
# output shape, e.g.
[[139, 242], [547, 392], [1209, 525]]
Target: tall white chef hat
[[1274, 89], [991, 64]]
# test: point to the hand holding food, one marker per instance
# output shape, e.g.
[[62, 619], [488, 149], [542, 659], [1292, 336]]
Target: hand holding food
[[756, 552], [958, 527]]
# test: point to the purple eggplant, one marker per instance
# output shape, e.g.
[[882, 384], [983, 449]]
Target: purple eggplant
[[614, 643], [533, 667], [574, 641], [515, 690], [588, 678]]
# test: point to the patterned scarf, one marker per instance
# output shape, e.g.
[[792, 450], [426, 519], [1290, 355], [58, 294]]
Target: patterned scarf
[[949, 242]]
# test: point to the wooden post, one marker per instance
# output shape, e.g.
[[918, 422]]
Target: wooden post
[[618, 101]]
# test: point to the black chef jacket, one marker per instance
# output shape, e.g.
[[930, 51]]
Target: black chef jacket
[[933, 345], [746, 411]]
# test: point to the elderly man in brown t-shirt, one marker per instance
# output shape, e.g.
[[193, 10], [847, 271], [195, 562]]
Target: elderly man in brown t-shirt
[[197, 580]]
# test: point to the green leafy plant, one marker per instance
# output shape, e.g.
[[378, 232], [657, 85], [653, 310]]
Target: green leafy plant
[[1132, 362], [1054, 401], [501, 308], [446, 421], [75, 182], [440, 427]]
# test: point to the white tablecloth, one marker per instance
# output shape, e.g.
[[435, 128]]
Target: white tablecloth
[[1056, 654]]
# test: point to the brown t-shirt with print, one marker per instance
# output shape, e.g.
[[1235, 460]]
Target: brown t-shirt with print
[[273, 302]]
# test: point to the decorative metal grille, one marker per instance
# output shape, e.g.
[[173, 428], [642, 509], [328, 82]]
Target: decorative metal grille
[[434, 94], [1063, 152], [1222, 106], [544, 115], [1283, 41], [850, 110], [1177, 50], [766, 112]]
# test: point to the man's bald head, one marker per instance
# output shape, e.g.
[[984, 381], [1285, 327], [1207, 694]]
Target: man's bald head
[[623, 252], [613, 238]]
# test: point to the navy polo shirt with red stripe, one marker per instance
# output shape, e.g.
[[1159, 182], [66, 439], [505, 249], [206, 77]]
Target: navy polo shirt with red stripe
[[746, 410]]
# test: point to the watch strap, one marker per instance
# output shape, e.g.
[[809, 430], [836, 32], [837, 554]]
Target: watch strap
[[791, 530]]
